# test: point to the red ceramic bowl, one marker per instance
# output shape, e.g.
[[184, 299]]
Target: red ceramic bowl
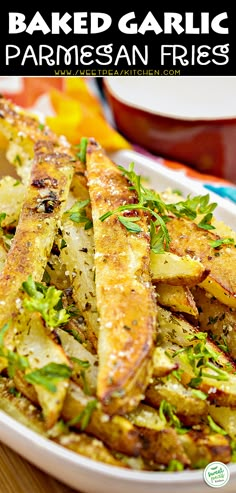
[[187, 119]]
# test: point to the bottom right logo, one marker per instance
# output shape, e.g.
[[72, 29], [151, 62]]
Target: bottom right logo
[[216, 474]]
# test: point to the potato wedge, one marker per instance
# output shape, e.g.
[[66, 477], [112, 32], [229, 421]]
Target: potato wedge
[[170, 268], [19, 407], [218, 379], [162, 442], [123, 283], [22, 130], [41, 349], [217, 319], [177, 298], [116, 432], [86, 368], [162, 364], [187, 237], [225, 417], [89, 447], [188, 406], [203, 447], [78, 256], [41, 212]]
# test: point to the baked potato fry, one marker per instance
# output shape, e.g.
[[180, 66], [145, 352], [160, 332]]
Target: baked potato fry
[[177, 298], [78, 256], [221, 281], [116, 432], [190, 408], [169, 268], [123, 283], [39, 219], [217, 319], [22, 130], [33, 342]]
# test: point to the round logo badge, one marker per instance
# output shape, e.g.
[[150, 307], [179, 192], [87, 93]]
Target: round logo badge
[[216, 474]]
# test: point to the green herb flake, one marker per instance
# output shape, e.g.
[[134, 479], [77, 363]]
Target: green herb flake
[[45, 300], [199, 394], [84, 417], [48, 376], [17, 160], [216, 428], [130, 224], [222, 241], [63, 244], [82, 150], [83, 363], [175, 465]]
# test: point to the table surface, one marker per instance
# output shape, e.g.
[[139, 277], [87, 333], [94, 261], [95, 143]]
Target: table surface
[[18, 476]]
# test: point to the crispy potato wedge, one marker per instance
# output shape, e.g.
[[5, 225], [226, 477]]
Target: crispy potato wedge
[[163, 365], [203, 447], [188, 406], [225, 417], [116, 431], [22, 130], [217, 319], [170, 268], [221, 281], [177, 298], [78, 256], [123, 283], [39, 219], [85, 363], [161, 441], [19, 407], [40, 348], [162, 446], [179, 338], [89, 447]]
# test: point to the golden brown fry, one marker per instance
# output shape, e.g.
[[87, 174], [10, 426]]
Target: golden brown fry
[[125, 296], [89, 447], [116, 432], [188, 407], [177, 298], [187, 237], [217, 319], [33, 342], [22, 131], [203, 447], [169, 268], [19, 407], [41, 212], [162, 364]]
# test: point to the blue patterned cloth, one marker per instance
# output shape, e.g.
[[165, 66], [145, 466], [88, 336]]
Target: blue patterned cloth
[[224, 191]]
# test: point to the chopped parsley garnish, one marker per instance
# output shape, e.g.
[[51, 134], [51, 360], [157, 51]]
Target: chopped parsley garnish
[[77, 213], [167, 410], [201, 357], [84, 417], [222, 241], [46, 301], [160, 212], [14, 360], [82, 150], [48, 376], [214, 427]]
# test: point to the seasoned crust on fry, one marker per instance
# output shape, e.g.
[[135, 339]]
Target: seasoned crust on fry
[[123, 285]]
